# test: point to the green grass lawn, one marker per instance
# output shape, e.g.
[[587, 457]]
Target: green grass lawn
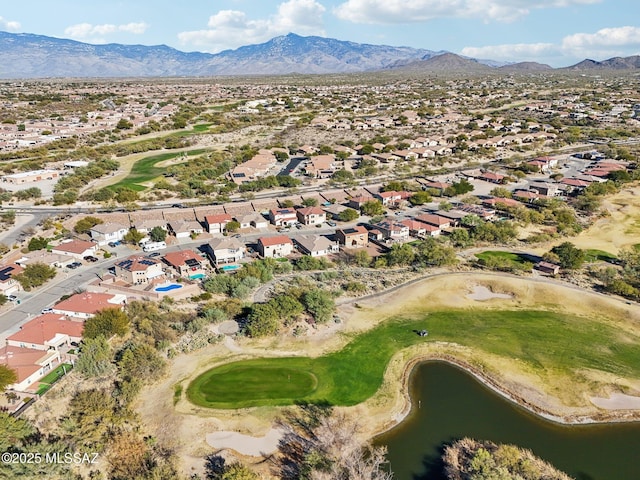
[[512, 257], [52, 377], [593, 255], [145, 169], [355, 373]]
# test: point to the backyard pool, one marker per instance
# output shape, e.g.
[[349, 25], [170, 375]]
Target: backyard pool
[[167, 287], [229, 268], [197, 276]]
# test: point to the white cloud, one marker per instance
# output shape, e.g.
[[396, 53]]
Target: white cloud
[[412, 11], [96, 33], [518, 51], [233, 28], [605, 43], [9, 25]]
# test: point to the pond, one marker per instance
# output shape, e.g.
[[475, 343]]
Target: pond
[[449, 404]]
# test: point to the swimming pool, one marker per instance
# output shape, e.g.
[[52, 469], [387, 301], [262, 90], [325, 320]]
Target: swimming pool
[[197, 276], [167, 287], [229, 268]]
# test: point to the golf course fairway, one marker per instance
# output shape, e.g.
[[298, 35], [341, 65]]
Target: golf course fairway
[[546, 342]]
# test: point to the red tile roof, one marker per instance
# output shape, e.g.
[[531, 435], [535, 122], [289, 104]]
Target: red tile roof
[[311, 211], [275, 240], [87, 302], [21, 360], [178, 259], [433, 220], [75, 246], [44, 328], [220, 218]]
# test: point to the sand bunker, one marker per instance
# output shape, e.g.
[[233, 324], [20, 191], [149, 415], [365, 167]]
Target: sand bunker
[[481, 293], [246, 444], [617, 401]]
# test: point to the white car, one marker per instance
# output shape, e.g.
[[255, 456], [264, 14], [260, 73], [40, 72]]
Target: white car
[[12, 298], [46, 310]]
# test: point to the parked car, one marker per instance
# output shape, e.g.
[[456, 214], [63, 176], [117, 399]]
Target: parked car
[[74, 265], [154, 254], [332, 224], [91, 258], [46, 310], [12, 298], [113, 244]]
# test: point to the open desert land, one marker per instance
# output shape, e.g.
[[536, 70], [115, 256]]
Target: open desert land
[[564, 394]]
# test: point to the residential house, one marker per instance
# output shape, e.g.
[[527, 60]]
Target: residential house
[[77, 249], [392, 230], [87, 304], [252, 169], [498, 202], [435, 220], [321, 166], [29, 364], [139, 270], [186, 263], [355, 237], [281, 217], [48, 331], [8, 284], [492, 177], [216, 223], [250, 220], [275, 246], [357, 202], [316, 245], [416, 229], [311, 216], [389, 198], [48, 258], [105, 233], [439, 187], [145, 226], [225, 250], [185, 228], [544, 188]]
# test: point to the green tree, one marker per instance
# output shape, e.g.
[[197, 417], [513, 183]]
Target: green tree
[[459, 188], [400, 255], [133, 236], [85, 224], [95, 357], [569, 256], [372, 208], [362, 258], [348, 215], [141, 361], [263, 320], [310, 202], [37, 243], [35, 275], [420, 198], [158, 234], [232, 226], [7, 377], [319, 303], [106, 323]]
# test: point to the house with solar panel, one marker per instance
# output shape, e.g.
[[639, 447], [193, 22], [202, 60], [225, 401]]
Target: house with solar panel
[[139, 270], [185, 263]]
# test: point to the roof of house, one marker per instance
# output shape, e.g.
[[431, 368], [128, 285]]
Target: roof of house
[[282, 211], [185, 225], [225, 243], [24, 361], [311, 211], [313, 243], [75, 246], [220, 218], [413, 224], [7, 271], [357, 230], [44, 328], [183, 257], [433, 219], [137, 263], [105, 228], [89, 302], [275, 240]]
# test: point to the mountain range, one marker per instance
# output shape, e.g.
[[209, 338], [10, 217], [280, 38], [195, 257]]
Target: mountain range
[[26, 55]]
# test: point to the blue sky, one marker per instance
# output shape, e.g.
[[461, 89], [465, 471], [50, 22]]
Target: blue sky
[[557, 32]]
